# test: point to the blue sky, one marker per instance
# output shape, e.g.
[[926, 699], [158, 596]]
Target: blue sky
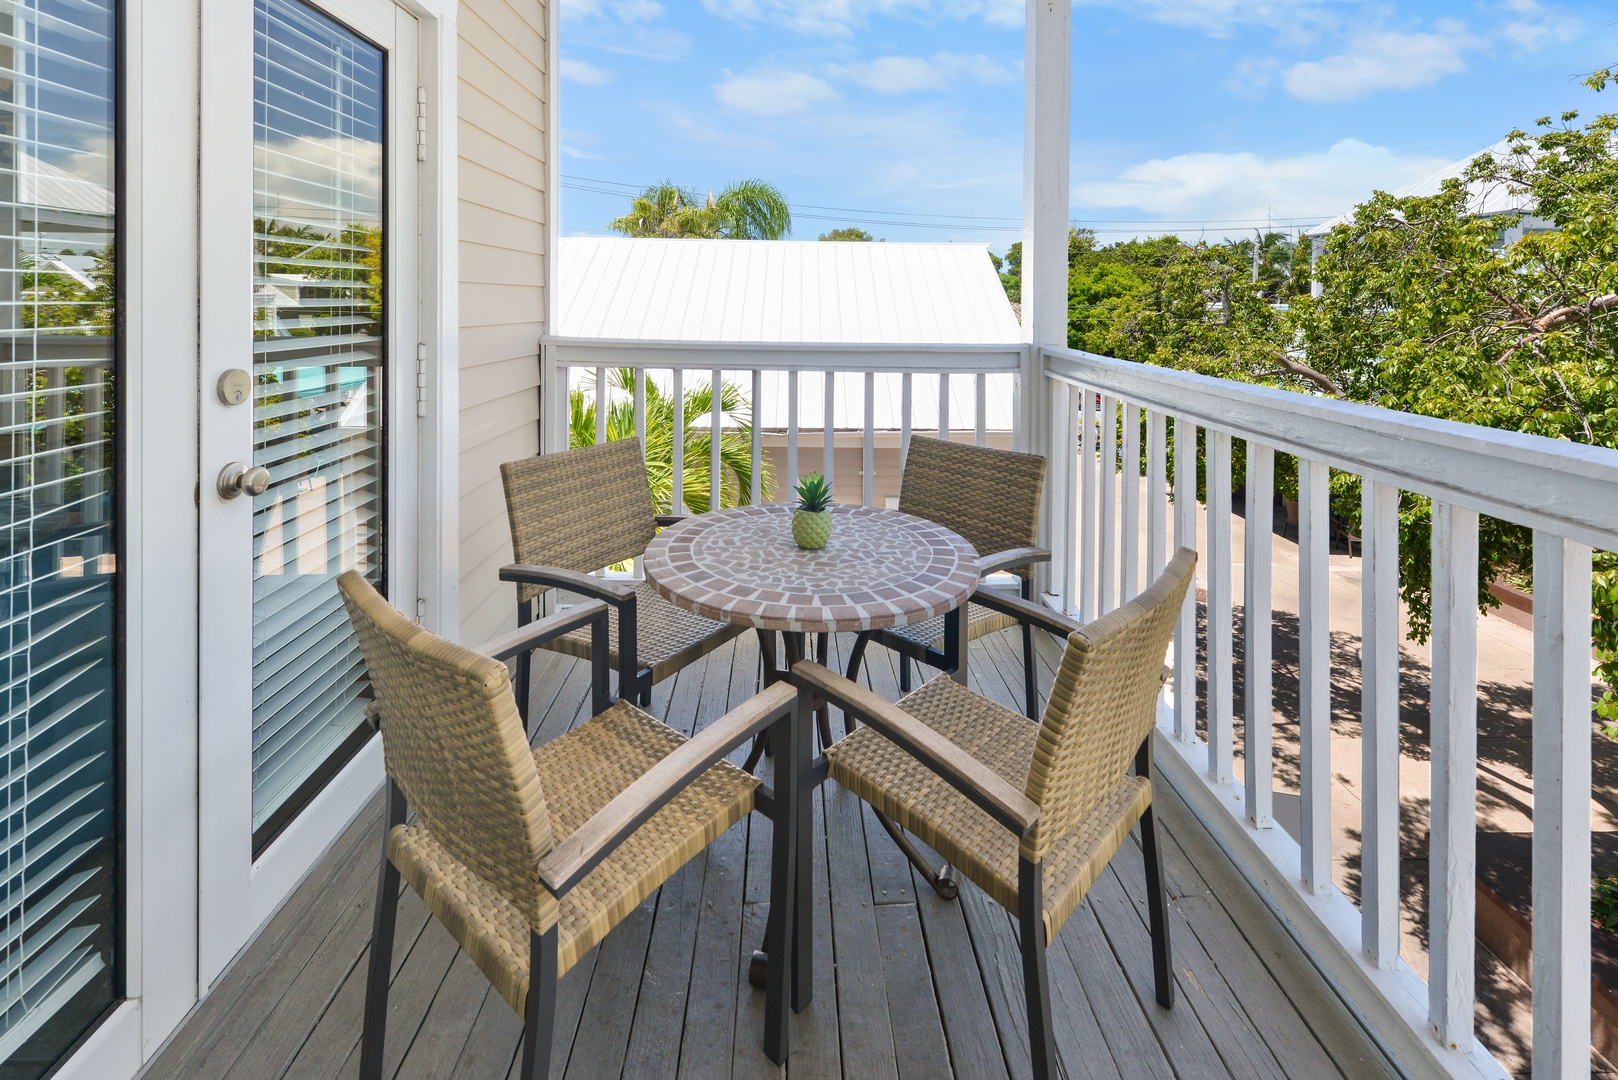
[[1202, 117]]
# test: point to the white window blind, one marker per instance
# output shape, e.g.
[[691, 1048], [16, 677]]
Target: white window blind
[[58, 820], [319, 353]]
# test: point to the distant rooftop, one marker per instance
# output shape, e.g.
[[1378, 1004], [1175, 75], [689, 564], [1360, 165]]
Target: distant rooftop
[[777, 291], [1484, 200]]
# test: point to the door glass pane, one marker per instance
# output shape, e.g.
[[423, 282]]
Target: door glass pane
[[318, 353], [58, 561]]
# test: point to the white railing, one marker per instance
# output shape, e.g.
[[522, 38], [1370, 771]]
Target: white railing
[[946, 386], [1568, 496]]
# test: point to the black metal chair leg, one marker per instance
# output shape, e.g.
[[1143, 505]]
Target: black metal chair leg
[[539, 1020], [855, 657], [1036, 981], [942, 879], [904, 674], [1029, 682], [1157, 901], [382, 924], [782, 924], [525, 664]]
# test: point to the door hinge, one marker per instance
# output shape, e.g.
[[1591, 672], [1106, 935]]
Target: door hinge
[[421, 123], [421, 608], [421, 378]]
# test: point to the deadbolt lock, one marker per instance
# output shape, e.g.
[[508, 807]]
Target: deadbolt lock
[[234, 386]]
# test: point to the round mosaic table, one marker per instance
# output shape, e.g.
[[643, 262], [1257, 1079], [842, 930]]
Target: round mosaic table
[[880, 569]]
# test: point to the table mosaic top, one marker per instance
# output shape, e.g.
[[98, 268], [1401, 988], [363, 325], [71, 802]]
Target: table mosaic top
[[880, 569]]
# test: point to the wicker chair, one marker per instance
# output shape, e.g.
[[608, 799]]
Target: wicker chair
[[581, 510], [1031, 813], [530, 857], [991, 497]]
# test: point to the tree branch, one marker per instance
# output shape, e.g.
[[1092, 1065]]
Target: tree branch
[[1319, 379]]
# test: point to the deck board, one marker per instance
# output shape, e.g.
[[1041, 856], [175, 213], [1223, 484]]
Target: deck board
[[907, 985]]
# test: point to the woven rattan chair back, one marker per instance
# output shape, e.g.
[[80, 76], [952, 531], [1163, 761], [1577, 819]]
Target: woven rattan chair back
[[581, 509], [989, 496], [1103, 705], [452, 741]]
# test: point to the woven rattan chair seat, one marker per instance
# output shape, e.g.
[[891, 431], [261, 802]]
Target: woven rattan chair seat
[[930, 634], [668, 638], [580, 773], [899, 785]]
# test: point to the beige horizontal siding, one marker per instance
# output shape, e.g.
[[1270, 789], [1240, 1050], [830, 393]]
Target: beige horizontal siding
[[502, 141]]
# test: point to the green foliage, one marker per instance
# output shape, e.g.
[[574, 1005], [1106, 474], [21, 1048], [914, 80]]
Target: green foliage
[[848, 234], [814, 493], [735, 439], [745, 210], [1604, 901]]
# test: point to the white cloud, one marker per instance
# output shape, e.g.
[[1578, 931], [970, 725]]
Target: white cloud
[[1220, 18], [582, 71], [1532, 24], [840, 18], [1247, 186], [1383, 60], [770, 92], [628, 11], [894, 76]]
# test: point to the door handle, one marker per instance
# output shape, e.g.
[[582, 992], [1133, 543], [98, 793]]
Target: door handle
[[237, 479]]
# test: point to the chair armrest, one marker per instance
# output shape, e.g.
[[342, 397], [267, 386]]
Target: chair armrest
[[669, 519], [565, 865], [571, 580], [525, 638], [1028, 611], [1012, 558], [965, 773]]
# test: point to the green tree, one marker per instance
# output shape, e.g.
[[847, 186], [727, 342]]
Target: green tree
[[744, 210], [735, 439], [847, 234]]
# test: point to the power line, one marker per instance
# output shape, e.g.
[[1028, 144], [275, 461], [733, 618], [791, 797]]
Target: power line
[[957, 222]]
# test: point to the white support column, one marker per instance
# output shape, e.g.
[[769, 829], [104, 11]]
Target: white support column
[[1185, 535], [1314, 669], [1258, 752], [1221, 648], [1562, 753], [1452, 852], [1379, 722]]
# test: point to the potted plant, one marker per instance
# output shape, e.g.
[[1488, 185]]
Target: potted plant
[[811, 521]]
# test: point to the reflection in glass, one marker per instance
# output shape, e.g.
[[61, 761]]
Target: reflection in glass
[[318, 352], [58, 560]]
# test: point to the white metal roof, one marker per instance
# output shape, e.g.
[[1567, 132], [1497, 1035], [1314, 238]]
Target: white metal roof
[[1484, 200], [780, 291]]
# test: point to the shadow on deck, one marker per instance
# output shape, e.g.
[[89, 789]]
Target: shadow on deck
[[906, 984]]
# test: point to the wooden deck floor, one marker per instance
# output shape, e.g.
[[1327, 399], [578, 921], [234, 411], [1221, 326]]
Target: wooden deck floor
[[907, 985]]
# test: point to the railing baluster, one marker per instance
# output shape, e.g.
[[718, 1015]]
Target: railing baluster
[[1379, 721], [1221, 648], [792, 434], [943, 405], [1452, 852], [1185, 535], [640, 407], [1314, 672], [829, 450], [715, 482], [868, 462], [677, 476], [1129, 467], [1258, 752], [1107, 578], [1087, 504], [1561, 894], [603, 404], [1156, 493], [758, 439], [906, 419], [1065, 539], [981, 432]]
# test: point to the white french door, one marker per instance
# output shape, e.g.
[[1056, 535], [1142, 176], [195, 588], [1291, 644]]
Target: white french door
[[309, 325]]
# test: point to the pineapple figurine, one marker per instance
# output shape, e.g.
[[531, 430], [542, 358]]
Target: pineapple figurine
[[811, 521]]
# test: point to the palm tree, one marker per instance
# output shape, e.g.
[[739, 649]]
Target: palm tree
[[735, 439], [745, 210]]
